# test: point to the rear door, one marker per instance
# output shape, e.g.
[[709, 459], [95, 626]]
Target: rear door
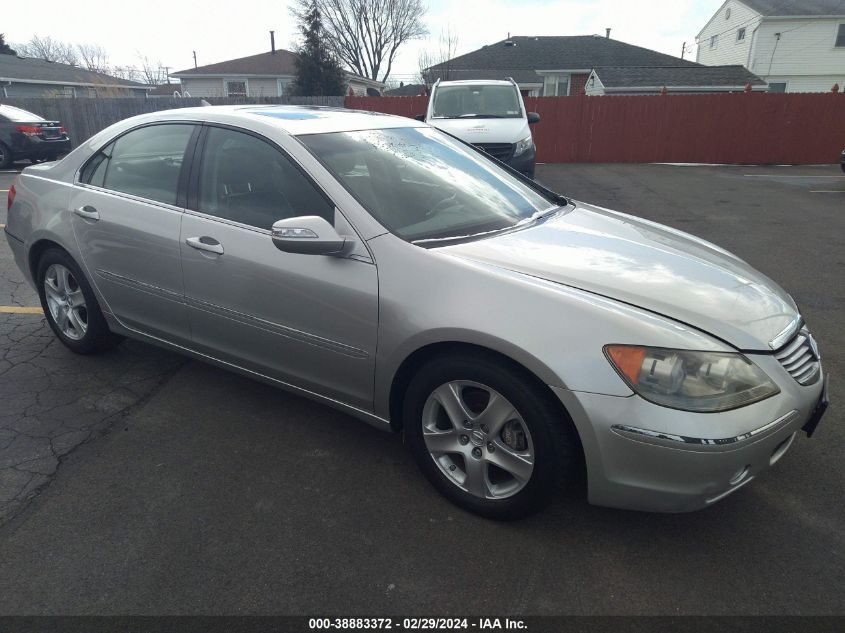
[[127, 212], [307, 320]]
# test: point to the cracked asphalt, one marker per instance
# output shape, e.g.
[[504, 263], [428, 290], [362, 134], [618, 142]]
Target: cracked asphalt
[[140, 483], [54, 400]]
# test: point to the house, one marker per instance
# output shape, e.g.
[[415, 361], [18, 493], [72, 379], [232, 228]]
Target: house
[[27, 77], [639, 80], [794, 46], [550, 65], [406, 90], [264, 75]]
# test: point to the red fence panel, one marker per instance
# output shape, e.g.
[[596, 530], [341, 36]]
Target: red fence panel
[[752, 128]]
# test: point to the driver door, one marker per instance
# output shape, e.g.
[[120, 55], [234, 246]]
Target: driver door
[[307, 320]]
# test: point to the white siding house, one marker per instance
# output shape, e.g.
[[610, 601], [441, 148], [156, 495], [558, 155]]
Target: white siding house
[[793, 46], [264, 75]]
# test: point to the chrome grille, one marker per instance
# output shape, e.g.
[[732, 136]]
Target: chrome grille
[[800, 357]]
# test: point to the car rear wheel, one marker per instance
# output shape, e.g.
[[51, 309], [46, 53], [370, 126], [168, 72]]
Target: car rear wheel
[[488, 436], [5, 156], [70, 305]]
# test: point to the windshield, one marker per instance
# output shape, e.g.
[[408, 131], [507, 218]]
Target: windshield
[[17, 115], [423, 185], [494, 101]]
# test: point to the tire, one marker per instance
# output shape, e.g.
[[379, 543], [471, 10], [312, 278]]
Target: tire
[[5, 156], [83, 329], [516, 424]]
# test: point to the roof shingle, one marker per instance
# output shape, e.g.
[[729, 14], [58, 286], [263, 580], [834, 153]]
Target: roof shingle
[[675, 76], [569, 52], [771, 8], [23, 68]]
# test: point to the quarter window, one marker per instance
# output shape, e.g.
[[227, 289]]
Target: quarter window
[[246, 180], [145, 162]]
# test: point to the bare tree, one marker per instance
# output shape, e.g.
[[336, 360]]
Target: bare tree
[[49, 49], [151, 73], [441, 57], [366, 34], [94, 57], [130, 73]]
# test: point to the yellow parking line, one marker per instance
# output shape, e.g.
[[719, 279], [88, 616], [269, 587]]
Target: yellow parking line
[[20, 310], [3, 190], [2, 226]]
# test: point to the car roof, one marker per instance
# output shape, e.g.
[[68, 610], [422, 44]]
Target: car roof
[[295, 120], [477, 82]]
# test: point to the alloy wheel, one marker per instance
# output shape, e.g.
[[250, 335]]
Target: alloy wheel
[[66, 302], [478, 439]]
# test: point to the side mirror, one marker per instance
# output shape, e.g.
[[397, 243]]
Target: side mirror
[[533, 118], [307, 235], [420, 117]]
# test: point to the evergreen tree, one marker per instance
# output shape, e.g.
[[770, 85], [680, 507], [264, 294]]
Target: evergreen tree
[[318, 73], [5, 49]]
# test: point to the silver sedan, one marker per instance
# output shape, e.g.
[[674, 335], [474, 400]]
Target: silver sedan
[[517, 339]]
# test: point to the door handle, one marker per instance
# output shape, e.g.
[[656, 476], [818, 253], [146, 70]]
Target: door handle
[[87, 212], [205, 243]]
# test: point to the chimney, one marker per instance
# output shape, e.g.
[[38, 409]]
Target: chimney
[[607, 33], [273, 42]]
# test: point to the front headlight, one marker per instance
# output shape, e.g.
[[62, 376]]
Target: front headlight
[[703, 382], [523, 146]]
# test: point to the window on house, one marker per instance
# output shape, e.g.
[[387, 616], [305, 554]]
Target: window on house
[[777, 86], [556, 86], [740, 35], [236, 89], [840, 37], [714, 39]]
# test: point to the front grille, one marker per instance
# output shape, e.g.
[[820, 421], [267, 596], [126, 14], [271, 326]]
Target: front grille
[[500, 151], [800, 357]]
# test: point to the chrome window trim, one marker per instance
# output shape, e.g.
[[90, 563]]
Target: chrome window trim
[[129, 196], [671, 440]]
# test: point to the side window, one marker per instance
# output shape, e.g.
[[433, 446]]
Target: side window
[[94, 172], [145, 162], [247, 180]]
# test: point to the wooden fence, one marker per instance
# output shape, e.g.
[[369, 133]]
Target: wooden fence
[[85, 117], [739, 128]]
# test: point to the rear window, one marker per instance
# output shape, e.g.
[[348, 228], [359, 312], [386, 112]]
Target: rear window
[[16, 115]]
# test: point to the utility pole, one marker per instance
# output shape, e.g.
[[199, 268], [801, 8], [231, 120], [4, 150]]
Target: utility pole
[[683, 50], [195, 59]]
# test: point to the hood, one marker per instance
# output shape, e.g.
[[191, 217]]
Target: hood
[[484, 130], [648, 265]]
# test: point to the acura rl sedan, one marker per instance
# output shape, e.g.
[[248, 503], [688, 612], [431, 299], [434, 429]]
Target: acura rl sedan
[[518, 340]]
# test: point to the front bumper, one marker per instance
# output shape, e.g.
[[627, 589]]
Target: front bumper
[[525, 162], [641, 456]]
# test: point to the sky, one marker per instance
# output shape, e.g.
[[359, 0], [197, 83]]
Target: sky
[[168, 31]]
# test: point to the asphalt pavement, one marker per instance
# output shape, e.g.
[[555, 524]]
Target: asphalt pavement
[[195, 491]]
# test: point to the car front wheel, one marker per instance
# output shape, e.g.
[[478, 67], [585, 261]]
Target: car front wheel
[[487, 435]]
